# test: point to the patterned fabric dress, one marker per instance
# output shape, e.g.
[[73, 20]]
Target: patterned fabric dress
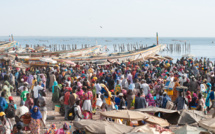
[[94, 99], [87, 106], [35, 126], [6, 129]]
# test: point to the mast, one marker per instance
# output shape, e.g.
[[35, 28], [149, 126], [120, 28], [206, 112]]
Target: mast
[[157, 37]]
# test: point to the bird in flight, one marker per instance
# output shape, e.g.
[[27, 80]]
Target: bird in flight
[[100, 26]]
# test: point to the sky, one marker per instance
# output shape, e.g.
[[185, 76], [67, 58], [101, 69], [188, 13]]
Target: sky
[[108, 18]]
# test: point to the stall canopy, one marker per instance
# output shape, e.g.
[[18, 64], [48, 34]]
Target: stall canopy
[[171, 116], [106, 127], [102, 127], [190, 116], [176, 117], [156, 110], [208, 124], [135, 115], [189, 130]]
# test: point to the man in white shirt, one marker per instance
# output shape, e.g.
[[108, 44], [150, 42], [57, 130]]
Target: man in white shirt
[[182, 80], [36, 92], [98, 88], [124, 82], [144, 87], [22, 110], [203, 86]]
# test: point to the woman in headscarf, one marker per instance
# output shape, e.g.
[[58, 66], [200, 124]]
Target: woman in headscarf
[[42, 77], [5, 124], [207, 102], [193, 103], [150, 100], [36, 117], [64, 130], [6, 88], [80, 94], [30, 79], [55, 94]]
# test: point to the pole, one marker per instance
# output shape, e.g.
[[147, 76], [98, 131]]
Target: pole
[[157, 37]]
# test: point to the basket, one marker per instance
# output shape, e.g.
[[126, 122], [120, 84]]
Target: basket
[[57, 108], [26, 118]]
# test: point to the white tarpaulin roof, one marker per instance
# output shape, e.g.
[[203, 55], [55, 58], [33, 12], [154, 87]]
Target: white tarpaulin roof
[[208, 124]]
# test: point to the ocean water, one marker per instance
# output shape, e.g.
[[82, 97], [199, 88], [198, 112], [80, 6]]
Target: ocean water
[[200, 47]]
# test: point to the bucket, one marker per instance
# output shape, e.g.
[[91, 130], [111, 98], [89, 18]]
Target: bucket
[[57, 108]]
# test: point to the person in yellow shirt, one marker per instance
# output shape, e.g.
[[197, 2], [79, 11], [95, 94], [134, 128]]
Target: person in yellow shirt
[[33, 82]]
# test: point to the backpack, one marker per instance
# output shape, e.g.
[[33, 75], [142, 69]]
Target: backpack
[[72, 113], [10, 111]]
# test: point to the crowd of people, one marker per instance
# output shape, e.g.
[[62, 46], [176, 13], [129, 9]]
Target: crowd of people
[[83, 90]]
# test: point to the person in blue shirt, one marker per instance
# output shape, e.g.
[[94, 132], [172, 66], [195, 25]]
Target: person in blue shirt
[[212, 98], [11, 101], [117, 99], [3, 102], [166, 98]]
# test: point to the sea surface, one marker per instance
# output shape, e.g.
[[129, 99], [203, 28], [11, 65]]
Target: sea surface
[[199, 47]]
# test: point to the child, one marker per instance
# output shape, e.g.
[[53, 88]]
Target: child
[[78, 114]]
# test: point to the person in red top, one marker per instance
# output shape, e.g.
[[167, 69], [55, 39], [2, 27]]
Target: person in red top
[[77, 66], [66, 102], [101, 73], [189, 98]]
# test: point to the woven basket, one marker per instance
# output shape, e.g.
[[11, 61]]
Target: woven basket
[[26, 118]]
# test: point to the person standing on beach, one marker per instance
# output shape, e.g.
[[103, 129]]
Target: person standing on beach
[[3, 102], [36, 90], [130, 94], [52, 78], [42, 105], [66, 102], [7, 90], [140, 102]]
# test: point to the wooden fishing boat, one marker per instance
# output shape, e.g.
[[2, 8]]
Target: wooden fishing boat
[[59, 53], [4, 46], [139, 54]]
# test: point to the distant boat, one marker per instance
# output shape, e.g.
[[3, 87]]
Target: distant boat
[[212, 42]]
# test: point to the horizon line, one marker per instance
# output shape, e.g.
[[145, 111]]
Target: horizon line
[[110, 36]]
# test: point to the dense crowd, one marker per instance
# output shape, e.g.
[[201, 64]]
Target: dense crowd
[[83, 90]]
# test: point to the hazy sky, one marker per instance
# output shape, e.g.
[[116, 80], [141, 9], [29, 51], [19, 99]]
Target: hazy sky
[[121, 18]]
